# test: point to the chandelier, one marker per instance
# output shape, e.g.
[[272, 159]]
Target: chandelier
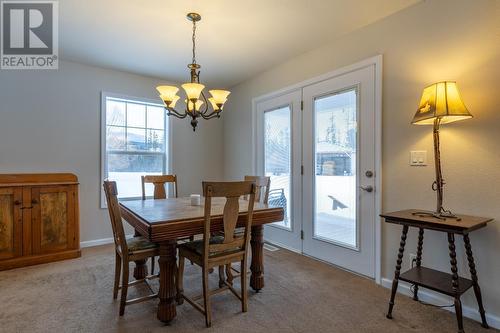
[[197, 104]]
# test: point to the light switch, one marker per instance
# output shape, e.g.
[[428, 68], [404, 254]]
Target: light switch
[[418, 157]]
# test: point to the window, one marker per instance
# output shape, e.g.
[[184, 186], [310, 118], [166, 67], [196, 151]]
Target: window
[[133, 142]]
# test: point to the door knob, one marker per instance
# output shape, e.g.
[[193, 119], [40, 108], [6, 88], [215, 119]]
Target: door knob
[[368, 188]]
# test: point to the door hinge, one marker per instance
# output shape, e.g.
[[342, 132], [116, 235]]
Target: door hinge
[[301, 169], [301, 234], [301, 105]]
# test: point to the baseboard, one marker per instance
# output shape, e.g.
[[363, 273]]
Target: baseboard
[[102, 241], [432, 297]]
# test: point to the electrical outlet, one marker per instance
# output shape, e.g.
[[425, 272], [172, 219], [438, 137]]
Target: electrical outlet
[[413, 259]]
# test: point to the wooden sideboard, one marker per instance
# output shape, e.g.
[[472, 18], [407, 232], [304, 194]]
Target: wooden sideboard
[[38, 219]]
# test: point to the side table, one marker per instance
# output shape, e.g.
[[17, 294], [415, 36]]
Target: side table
[[445, 283]]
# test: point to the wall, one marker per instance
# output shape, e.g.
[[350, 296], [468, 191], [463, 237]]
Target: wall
[[431, 41], [50, 122]]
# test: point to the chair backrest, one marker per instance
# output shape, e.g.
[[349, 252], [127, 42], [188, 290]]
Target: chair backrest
[[159, 182], [232, 191], [115, 216], [262, 185]]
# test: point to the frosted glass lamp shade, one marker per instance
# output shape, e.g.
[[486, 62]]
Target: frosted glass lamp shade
[[212, 102], [441, 100], [193, 90], [167, 93], [170, 103], [197, 105], [219, 96]]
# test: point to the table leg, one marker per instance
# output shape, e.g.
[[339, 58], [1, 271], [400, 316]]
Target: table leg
[[475, 284], [257, 266], [167, 262], [419, 258], [454, 281], [398, 270], [140, 269]]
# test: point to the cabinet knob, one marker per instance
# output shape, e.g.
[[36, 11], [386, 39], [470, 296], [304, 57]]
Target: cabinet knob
[[17, 202], [34, 201]]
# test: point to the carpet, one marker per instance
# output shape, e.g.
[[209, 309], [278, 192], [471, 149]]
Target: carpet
[[300, 295]]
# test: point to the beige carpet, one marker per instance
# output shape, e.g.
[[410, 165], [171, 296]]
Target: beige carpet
[[301, 295]]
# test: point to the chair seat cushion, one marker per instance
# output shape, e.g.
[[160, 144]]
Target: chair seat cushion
[[139, 244], [197, 245]]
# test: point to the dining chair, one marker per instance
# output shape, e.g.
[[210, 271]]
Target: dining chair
[[158, 182], [219, 250], [127, 250], [262, 187], [262, 184], [159, 192]]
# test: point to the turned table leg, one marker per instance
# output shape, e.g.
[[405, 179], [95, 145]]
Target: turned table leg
[[398, 270], [419, 258], [454, 281], [167, 262], [140, 269], [475, 284], [257, 266]]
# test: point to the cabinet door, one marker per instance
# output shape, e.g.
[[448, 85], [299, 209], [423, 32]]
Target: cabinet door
[[53, 218], [10, 222]]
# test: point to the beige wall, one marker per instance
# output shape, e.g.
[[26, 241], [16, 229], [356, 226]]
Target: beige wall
[[431, 41], [50, 122]]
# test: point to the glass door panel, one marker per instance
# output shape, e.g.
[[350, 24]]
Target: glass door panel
[[279, 154], [335, 146], [277, 159]]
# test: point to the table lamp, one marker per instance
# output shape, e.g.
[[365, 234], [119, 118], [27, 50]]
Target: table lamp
[[440, 104]]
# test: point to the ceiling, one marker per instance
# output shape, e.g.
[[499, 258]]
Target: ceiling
[[237, 39]]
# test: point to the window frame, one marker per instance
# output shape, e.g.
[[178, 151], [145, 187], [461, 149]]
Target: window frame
[[167, 154]]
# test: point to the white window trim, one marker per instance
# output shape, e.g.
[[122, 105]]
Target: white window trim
[[168, 128]]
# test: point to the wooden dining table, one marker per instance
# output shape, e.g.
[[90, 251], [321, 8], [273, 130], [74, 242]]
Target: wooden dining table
[[163, 221]]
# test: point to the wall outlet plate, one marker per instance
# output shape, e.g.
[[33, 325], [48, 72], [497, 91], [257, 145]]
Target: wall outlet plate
[[418, 157], [413, 257]]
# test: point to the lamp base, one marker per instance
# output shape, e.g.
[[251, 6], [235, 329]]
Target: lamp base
[[442, 215]]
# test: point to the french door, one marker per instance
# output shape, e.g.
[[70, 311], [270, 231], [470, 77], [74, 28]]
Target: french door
[[339, 163], [317, 143], [279, 156]]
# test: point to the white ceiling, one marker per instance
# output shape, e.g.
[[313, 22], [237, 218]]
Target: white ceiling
[[236, 38]]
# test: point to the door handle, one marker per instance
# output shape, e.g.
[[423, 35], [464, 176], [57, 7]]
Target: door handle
[[368, 188]]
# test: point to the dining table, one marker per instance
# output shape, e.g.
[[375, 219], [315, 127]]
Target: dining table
[[164, 221]]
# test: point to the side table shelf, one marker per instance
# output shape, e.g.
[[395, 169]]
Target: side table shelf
[[435, 280]]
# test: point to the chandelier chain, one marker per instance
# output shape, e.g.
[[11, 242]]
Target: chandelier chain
[[194, 42]]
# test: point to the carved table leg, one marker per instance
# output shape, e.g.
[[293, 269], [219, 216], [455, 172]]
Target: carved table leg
[[398, 270], [475, 284], [257, 266], [166, 307], [140, 269], [419, 258], [454, 273]]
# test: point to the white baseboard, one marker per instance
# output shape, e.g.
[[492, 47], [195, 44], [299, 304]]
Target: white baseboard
[[432, 297], [102, 241]]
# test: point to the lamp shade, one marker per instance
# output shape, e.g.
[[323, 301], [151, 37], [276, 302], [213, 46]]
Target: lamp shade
[[214, 104], [193, 90], [219, 96], [441, 100], [197, 105], [167, 93], [170, 103]]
